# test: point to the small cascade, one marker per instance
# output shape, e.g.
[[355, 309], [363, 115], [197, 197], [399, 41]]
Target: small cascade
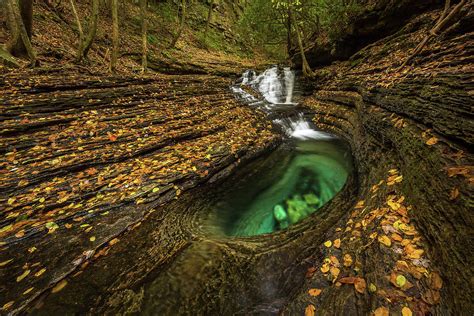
[[299, 127], [275, 84]]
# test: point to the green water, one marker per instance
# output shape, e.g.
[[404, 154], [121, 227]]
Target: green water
[[283, 188]]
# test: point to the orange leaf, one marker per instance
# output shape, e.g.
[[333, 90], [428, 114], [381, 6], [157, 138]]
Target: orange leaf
[[381, 311], [314, 292], [432, 141], [309, 310]]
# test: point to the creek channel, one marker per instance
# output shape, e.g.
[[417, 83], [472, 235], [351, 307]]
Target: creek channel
[[254, 232]]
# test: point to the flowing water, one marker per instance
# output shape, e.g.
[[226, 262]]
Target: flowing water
[[293, 181], [218, 271]]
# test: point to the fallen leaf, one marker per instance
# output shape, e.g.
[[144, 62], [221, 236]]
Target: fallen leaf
[[383, 239], [436, 283], [92, 238], [360, 285], [406, 311], [328, 243], [454, 194], [432, 141], [325, 268], [23, 275], [58, 287], [28, 291], [382, 311], [372, 288], [4, 263], [309, 310], [347, 260], [337, 243], [6, 306], [335, 273], [314, 292], [400, 280], [40, 272]]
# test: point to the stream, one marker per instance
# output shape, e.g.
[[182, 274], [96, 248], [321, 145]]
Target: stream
[[297, 178], [252, 232]]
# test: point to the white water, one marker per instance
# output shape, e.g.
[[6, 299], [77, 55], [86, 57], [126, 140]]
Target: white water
[[277, 85]]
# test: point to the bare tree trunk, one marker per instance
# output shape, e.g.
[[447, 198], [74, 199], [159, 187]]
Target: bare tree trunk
[[209, 18], [21, 16], [181, 24], [288, 31], [143, 8], [86, 43], [305, 66], [78, 20], [115, 36]]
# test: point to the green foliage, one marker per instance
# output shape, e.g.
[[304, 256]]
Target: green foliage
[[265, 23]]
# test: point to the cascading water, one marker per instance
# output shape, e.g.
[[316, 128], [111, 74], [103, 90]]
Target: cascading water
[[293, 181]]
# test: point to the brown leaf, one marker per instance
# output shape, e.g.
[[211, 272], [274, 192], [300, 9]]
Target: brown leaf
[[454, 194], [436, 283], [360, 285], [310, 272]]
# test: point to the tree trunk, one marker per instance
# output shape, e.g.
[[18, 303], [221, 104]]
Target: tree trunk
[[181, 24], [209, 18], [288, 32], [78, 20], [21, 16], [87, 41], [305, 66], [115, 36], [144, 36]]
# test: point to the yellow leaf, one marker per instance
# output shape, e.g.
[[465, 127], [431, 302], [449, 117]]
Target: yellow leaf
[[335, 273], [155, 190], [8, 305], [381, 311], [401, 280], [372, 288], [337, 243], [40, 272], [347, 260], [32, 249], [432, 141], [314, 292], [23, 275], [406, 311], [328, 243], [383, 239], [11, 200], [42, 200], [4, 263], [28, 291], [58, 287], [309, 310], [92, 238], [325, 268]]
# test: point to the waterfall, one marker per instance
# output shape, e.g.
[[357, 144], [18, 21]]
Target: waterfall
[[276, 85]]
